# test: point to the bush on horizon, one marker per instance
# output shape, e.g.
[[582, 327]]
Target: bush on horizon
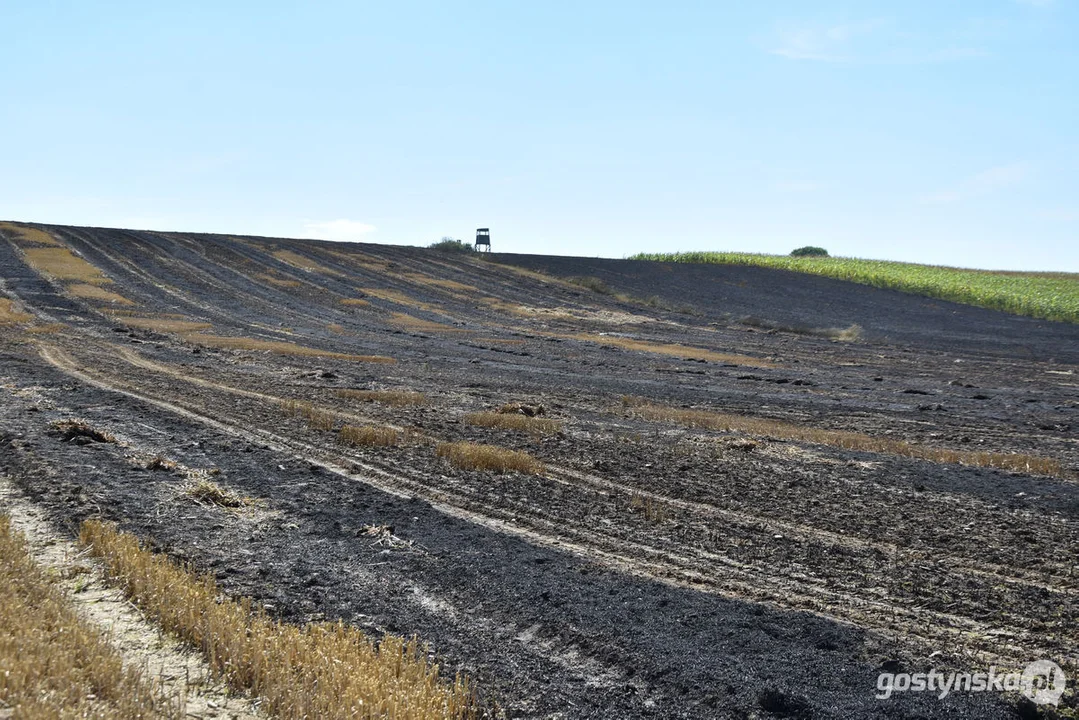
[[449, 244], [809, 251]]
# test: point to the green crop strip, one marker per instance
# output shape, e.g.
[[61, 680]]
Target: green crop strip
[[1052, 296]]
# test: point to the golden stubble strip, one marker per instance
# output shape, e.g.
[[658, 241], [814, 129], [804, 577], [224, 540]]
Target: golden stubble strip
[[53, 663], [842, 439], [62, 264], [415, 324], [29, 236], [164, 324], [396, 296], [279, 347], [476, 456], [668, 349], [303, 263], [93, 292], [323, 670]]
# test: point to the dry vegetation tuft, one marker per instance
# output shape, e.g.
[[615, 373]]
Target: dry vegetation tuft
[[473, 456], [278, 281], [46, 329], [438, 282], [654, 511], [670, 349], [844, 439], [386, 397], [163, 324], [415, 324], [79, 430], [304, 263], [396, 296], [848, 334], [205, 490], [514, 421], [330, 671], [358, 302], [93, 292], [371, 435], [63, 264], [10, 316], [852, 333], [53, 664], [280, 347], [316, 418]]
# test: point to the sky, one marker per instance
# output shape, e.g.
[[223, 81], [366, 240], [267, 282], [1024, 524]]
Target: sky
[[936, 132]]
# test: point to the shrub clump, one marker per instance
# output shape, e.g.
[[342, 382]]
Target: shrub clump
[[448, 244], [809, 251]]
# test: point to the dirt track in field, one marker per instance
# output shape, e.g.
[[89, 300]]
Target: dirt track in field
[[653, 570]]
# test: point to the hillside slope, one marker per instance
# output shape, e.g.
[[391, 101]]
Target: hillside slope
[[724, 517]]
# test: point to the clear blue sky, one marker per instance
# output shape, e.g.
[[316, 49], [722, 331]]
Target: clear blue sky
[[942, 132]]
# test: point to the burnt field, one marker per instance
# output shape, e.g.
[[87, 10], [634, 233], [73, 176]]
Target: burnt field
[[750, 490]]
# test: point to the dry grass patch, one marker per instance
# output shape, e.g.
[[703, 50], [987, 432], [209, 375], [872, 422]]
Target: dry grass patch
[[63, 264], [847, 334], [515, 309], [514, 421], [93, 292], [164, 324], [53, 664], [386, 397], [79, 431], [30, 236], [316, 418], [843, 439], [443, 283], [654, 511], [355, 302], [204, 490], [670, 349], [539, 276], [304, 263], [415, 324], [46, 329], [369, 435], [852, 333], [324, 670], [361, 260], [10, 316], [396, 296], [474, 456], [280, 347], [278, 281]]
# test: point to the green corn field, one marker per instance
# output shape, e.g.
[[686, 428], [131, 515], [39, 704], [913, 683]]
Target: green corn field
[[1048, 295]]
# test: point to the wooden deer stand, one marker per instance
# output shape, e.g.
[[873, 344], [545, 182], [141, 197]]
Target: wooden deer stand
[[483, 239]]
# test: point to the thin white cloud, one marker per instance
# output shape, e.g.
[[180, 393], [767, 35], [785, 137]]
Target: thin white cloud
[[797, 186], [983, 183], [829, 43], [877, 40], [338, 230]]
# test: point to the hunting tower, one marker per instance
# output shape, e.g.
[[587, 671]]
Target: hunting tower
[[483, 239]]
